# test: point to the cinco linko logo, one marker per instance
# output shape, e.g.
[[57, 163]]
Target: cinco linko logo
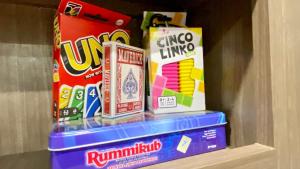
[[89, 50]]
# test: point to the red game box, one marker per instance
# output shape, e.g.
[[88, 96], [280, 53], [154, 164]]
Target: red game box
[[79, 31]]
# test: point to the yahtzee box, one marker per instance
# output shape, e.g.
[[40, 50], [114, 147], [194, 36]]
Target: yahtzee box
[[124, 79], [176, 77], [79, 31]]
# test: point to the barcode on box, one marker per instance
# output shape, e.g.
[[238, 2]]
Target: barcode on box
[[167, 102]]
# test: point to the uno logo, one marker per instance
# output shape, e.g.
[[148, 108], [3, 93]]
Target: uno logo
[[90, 51]]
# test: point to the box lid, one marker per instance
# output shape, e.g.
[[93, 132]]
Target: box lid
[[81, 9], [98, 131]]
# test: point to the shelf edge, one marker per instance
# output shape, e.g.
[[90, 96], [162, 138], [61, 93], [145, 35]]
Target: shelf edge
[[241, 157]]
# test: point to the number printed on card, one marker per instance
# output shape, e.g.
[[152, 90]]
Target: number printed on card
[[92, 103], [167, 101], [65, 93]]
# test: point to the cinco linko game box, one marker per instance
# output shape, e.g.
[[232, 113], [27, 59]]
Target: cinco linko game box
[[176, 71], [79, 31]]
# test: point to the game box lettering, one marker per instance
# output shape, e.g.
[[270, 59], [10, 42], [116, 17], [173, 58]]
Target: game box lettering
[[135, 141], [124, 79], [79, 32], [176, 70]]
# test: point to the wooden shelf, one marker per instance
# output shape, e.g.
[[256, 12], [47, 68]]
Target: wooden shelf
[[251, 55], [242, 157], [237, 77], [246, 157]]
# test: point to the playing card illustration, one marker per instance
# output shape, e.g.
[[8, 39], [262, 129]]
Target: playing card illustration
[[124, 83], [130, 85], [92, 101]]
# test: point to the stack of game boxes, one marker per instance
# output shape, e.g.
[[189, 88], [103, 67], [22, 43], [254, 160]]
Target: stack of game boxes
[[119, 106]]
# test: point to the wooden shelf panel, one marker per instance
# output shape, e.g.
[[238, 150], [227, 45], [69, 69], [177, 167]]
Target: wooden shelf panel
[[237, 66], [247, 157]]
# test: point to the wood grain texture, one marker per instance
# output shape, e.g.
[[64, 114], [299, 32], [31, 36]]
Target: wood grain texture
[[262, 73], [284, 45], [32, 160], [251, 72], [237, 85], [237, 66], [25, 77], [254, 156]]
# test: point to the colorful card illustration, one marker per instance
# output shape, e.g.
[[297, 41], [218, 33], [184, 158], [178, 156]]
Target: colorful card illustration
[[78, 56], [184, 144], [77, 100], [92, 101], [99, 89], [64, 96], [176, 67], [124, 74]]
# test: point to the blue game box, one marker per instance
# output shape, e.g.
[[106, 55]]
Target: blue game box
[[135, 141]]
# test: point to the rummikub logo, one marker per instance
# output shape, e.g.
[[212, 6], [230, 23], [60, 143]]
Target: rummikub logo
[[100, 159]]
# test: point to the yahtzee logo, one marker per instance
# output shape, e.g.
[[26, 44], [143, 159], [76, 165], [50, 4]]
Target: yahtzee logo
[[100, 159], [88, 51], [72, 9]]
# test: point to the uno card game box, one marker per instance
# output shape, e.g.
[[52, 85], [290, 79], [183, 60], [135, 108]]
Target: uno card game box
[[79, 32], [138, 143], [124, 78], [176, 78]]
